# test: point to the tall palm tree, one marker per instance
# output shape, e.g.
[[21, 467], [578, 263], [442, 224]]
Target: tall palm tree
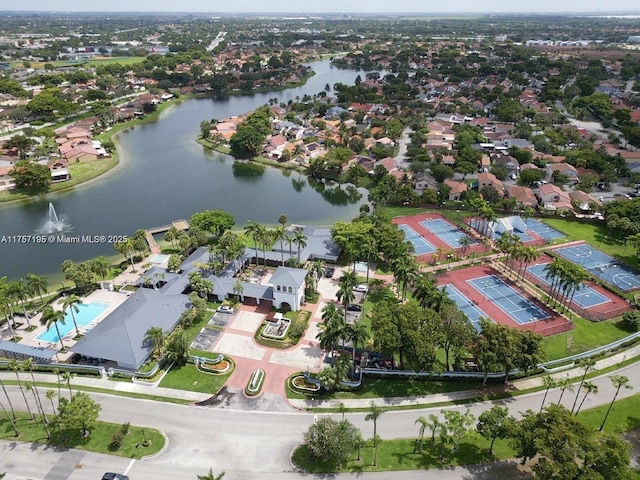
[[618, 381], [37, 284], [345, 294], [22, 293], [548, 382], [254, 230], [373, 415], [16, 433], [50, 395], [424, 423], [157, 338], [564, 384], [332, 328], [279, 233], [67, 377], [423, 288], [357, 334], [434, 424], [528, 255], [588, 387], [4, 390], [465, 243], [52, 317], [71, 303], [28, 365], [101, 267], [587, 364], [5, 307], [15, 366], [211, 476], [300, 239]]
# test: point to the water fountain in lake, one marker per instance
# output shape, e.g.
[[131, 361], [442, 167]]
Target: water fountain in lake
[[54, 223]]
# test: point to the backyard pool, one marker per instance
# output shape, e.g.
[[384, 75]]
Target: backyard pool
[[87, 313]]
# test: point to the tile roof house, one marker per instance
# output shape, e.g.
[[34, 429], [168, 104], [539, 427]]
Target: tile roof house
[[486, 179], [457, 189], [554, 198], [523, 195]]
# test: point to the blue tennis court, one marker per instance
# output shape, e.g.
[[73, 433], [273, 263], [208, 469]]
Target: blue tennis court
[[420, 245], [543, 230], [449, 234], [601, 265], [584, 296], [470, 309], [507, 299]]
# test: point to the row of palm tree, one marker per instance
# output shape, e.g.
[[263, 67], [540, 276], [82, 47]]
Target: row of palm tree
[[566, 278], [17, 293], [27, 365], [263, 238]]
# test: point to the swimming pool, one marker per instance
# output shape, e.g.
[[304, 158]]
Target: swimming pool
[[87, 313], [159, 258]]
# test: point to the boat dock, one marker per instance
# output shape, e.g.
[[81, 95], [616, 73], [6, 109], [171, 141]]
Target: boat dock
[[181, 224]]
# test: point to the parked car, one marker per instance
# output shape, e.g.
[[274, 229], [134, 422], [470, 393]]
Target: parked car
[[225, 309], [114, 476], [362, 288], [354, 307], [329, 271]]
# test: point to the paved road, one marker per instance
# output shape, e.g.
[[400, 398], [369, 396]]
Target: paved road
[[245, 444]]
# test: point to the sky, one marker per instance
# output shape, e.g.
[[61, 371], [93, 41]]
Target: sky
[[325, 6]]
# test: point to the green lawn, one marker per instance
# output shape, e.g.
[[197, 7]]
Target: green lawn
[[188, 377], [406, 387], [585, 336], [597, 236], [98, 441]]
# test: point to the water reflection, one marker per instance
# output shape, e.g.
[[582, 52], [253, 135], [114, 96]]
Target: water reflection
[[298, 183], [248, 171]]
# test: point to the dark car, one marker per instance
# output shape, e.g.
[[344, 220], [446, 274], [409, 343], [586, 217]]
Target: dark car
[[354, 307], [114, 476], [329, 271]]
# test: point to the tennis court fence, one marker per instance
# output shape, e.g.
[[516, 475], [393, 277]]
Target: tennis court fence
[[602, 313]]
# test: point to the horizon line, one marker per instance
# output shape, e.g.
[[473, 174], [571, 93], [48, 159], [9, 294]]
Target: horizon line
[[486, 13]]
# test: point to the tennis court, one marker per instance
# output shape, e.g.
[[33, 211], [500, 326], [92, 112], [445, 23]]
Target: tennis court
[[584, 296], [601, 265], [449, 234], [507, 299], [543, 230], [470, 309], [420, 245], [524, 238]]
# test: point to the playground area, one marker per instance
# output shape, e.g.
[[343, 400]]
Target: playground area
[[480, 291]]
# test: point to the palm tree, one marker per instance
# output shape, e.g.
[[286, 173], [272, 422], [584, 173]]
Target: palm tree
[[618, 381], [52, 317], [4, 390], [254, 230], [157, 337], [37, 284], [332, 328], [528, 255], [67, 377], [564, 384], [300, 239], [424, 423], [20, 290], [15, 366], [465, 243], [373, 415], [28, 365], [345, 294], [587, 364], [357, 334], [548, 382], [279, 233], [5, 307], [434, 424], [101, 267], [71, 303], [211, 476], [16, 433], [588, 388], [50, 395]]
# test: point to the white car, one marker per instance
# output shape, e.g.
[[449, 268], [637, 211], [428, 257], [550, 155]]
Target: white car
[[225, 309], [362, 288]]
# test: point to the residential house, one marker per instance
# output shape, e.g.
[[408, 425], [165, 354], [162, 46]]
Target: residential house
[[562, 168], [523, 195], [583, 200], [554, 198], [457, 189], [507, 161], [486, 179]]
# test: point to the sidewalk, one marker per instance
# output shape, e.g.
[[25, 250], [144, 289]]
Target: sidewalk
[[524, 384]]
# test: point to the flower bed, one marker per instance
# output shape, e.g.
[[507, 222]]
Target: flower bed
[[221, 367], [300, 383], [254, 385]]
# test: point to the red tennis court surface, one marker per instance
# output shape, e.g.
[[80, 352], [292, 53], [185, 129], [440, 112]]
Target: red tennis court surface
[[458, 278], [443, 247]]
